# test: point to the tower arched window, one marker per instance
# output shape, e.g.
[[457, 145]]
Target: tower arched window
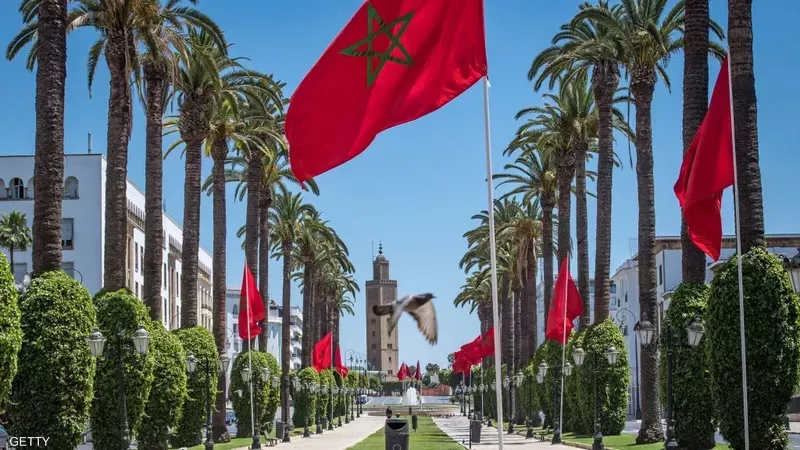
[[29, 191], [71, 188], [3, 191], [17, 189], [235, 310]]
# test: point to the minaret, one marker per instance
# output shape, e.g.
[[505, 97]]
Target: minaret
[[382, 348]]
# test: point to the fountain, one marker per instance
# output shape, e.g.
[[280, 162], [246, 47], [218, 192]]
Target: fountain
[[411, 397]]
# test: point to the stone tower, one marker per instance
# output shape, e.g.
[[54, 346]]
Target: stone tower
[[382, 348]]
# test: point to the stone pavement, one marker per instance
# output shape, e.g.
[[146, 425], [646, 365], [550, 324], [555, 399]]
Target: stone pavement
[[339, 438], [458, 429]]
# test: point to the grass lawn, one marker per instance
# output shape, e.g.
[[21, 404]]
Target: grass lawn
[[427, 437], [621, 442], [234, 443]]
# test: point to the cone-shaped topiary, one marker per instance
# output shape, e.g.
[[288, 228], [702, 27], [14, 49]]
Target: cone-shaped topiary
[[266, 398], [199, 342], [10, 331], [305, 402], [52, 391], [578, 395], [118, 316], [549, 352], [772, 329]]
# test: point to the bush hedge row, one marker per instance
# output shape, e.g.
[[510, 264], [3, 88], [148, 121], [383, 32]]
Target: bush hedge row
[[266, 398], [10, 331], [199, 342], [305, 402]]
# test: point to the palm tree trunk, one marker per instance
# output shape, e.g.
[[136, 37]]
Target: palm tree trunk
[[745, 110], [308, 316], [695, 101], [579, 149], [48, 165], [564, 173], [286, 347], [518, 336], [529, 308], [254, 173], [605, 80], [507, 321], [220, 153], [642, 86], [265, 201], [547, 255], [119, 130], [153, 200]]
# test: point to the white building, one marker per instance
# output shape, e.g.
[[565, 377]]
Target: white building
[[83, 212], [625, 289]]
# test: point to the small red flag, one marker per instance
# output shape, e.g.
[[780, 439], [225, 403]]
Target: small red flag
[[403, 372], [566, 299], [487, 343], [707, 170], [394, 62], [321, 357], [251, 307], [343, 371], [418, 374]]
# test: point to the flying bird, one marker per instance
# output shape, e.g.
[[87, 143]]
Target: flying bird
[[421, 309]]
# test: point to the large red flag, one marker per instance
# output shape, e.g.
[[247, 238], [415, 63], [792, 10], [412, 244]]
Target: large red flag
[[394, 62], [321, 357], [472, 351], [343, 371], [487, 343], [251, 307], [707, 170], [565, 296], [403, 372]]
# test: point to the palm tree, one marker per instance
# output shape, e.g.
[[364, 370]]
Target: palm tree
[[648, 36], [287, 219], [745, 109], [14, 234], [47, 19]]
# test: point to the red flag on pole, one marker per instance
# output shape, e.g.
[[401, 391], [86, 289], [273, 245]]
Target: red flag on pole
[[321, 357], [394, 62], [707, 170], [471, 351], [343, 371], [403, 372], [487, 343], [251, 307], [418, 375], [567, 306]]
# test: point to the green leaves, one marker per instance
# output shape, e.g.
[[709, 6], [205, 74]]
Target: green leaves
[[266, 398], [199, 342], [10, 331]]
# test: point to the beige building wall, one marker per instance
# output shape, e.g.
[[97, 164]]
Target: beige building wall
[[382, 348]]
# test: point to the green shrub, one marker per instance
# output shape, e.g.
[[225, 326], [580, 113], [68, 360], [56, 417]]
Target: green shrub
[[488, 401], [692, 399], [528, 400], [266, 398], [119, 312], [549, 352], [199, 342], [10, 331], [305, 403], [326, 378], [578, 396], [772, 328], [52, 391], [167, 392]]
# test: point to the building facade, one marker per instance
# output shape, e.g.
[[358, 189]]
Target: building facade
[[83, 232], [382, 347]]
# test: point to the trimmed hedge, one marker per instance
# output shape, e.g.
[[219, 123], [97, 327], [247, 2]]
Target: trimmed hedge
[[199, 342], [52, 391], [266, 398], [772, 327], [326, 377], [305, 403], [692, 399], [579, 400], [528, 400], [549, 352], [167, 392], [10, 330], [486, 376], [119, 309]]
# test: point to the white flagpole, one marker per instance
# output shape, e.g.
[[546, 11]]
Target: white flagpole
[[563, 357], [250, 352], [739, 264], [493, 263]]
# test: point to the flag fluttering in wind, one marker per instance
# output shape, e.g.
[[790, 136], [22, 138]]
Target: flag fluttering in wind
[[471, 352], [321, 356], [707, 170], [251, 307], [394, 62], [403, 372], [487, 343], [418, 374], [567, 306], [343, 371]]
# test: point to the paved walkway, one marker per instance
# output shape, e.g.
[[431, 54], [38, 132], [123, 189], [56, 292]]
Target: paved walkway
[[458, 429], [339, 438]]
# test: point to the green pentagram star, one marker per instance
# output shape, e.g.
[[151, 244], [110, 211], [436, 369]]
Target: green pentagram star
[[394, 38]]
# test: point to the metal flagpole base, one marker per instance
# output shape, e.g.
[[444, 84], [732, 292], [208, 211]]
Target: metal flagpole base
[[598, 442]]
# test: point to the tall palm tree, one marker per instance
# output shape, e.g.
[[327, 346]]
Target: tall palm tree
[[648, 35], [14, 234], [745, 109], [47, 19], [287, 216]]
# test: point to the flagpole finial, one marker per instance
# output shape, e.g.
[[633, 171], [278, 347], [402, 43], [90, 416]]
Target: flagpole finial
[[380, 248]]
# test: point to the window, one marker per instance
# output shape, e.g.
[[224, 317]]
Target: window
[[660, 275], [136, 290], [136, 258], [235, 312], [613, 287], [67, 234], [29, 191], [373, 333], [373, 321], [71, 188], [17, 189], [390, 346], [20, 269], [390, 359], [69, 268], [165, 276], [390, 372], [236, 329], [374, 346], [141, 258]]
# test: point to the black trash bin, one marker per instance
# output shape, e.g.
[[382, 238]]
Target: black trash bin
[[279, 429], [475, 431], [414, 422], [396, 434]]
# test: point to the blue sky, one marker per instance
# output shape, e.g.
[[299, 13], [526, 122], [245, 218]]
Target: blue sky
[[417, 186]]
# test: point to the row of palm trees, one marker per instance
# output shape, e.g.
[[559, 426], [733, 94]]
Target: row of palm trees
[[168, 53], [604, 43]]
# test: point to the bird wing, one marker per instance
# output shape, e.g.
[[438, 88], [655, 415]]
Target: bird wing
[[397, 311], [425, 315]]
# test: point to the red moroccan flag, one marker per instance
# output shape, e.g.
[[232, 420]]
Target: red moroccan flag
[[418, 374], [567, 306], [487, 343], [472, 351], [343, 371], [394, 62], [403, 372], [251, 307], [321, 357], [707, 170]]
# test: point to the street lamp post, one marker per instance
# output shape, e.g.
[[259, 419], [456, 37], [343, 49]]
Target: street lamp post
[[540, 380], [556, 371], [508, 384], [191, 367], [529, 434], [493, 387], [694, 330], [623, 328], [323, 391], [611, 355], [353, 394], [141, 341]]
